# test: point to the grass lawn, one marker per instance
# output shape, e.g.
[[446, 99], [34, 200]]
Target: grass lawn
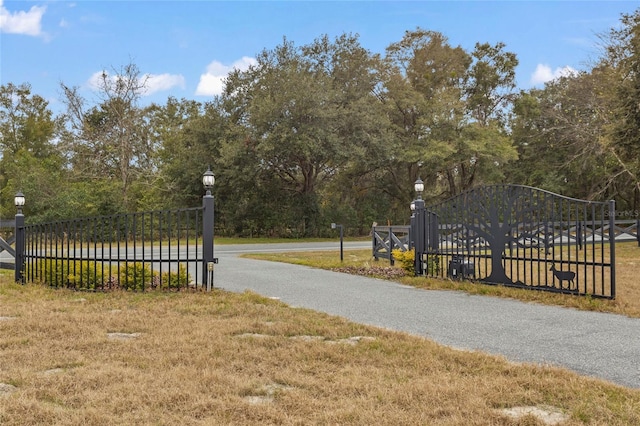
[[219, 358], [194, 358]]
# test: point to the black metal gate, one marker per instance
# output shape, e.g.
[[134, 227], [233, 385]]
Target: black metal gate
[[168, 249], [520, 236]]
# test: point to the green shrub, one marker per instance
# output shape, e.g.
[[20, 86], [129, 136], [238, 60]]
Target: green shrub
[[136, 276], [406, 260], [433, 265], [89, 275], [52, 272], [175, 280], [84, 275]]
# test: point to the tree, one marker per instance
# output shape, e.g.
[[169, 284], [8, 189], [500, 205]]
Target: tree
[[182, 154], [561, 134], [623, 58], [580, 134], [109, 140], [306, 114], [448, 110], [29, 160]]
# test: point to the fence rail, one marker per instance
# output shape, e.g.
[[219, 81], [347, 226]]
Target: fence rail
[[6, 240], [388, 238]]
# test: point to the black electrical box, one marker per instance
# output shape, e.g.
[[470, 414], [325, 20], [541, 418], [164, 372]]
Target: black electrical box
[[461, 268]]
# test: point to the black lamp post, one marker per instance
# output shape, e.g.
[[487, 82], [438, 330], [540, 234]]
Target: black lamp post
[[334, 226], [19, 202], [208, 221]]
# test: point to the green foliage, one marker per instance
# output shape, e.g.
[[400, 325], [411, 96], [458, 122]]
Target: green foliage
[[84, 275], [329, 132], [175, 280], [433, 265], [136, 276], [88, 275], [406, 260], [302, 115], [53, 272]]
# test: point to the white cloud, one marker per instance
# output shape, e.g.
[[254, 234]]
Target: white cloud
[[95, 81], [543, 73], [154, 82], [161, 82], [212, 82], [27, 23]]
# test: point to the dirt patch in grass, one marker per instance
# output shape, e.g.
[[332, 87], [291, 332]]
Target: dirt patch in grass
[[6, 389], [547, 415]]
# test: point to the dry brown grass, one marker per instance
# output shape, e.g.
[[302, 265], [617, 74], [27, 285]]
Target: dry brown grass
[[240, 359], [627, 300]]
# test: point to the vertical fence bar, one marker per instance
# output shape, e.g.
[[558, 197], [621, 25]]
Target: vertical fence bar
[[612, 248], [196, 229], [158, 236], [585, 246], [94, 235], [103, 238], [189, 227], [152, 247], [602, 251], [67, 247]]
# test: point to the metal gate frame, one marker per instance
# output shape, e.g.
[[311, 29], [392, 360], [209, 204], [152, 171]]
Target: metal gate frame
[[519, 236], [166, 249]]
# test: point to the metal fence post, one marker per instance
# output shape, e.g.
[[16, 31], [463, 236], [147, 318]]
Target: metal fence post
[[412, 230], [612, 246], [20, 247], [419, 240], [207, 240], [340, 227]]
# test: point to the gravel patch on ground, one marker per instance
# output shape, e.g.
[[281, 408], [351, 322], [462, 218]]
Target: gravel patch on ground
[[6, 389], [548, 415], [123, 336]]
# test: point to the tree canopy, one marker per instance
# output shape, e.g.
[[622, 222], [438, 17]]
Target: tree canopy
[[331, 132]]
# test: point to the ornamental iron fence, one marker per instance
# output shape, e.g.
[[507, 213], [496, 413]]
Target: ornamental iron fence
[[169, 249]]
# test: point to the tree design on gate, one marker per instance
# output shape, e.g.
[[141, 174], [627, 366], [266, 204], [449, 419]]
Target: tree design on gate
[[522, 236]]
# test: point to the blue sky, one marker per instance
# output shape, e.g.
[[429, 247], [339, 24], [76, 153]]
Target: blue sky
[[187, 47]]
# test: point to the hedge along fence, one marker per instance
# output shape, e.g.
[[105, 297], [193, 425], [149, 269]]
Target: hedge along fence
[[91, 275]]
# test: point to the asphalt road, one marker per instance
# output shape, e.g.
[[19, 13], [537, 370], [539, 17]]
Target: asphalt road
[[604, 346]]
